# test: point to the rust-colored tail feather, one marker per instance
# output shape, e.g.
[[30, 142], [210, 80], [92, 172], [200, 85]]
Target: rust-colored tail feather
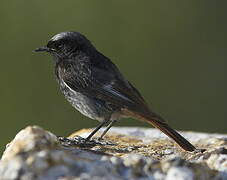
[[164, 127]]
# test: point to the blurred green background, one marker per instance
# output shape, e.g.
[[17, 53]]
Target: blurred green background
[[174, 52]]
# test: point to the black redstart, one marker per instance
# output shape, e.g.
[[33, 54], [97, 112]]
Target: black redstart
[[97, 89]]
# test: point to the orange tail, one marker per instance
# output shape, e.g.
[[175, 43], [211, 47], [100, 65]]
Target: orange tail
[[164, 127]]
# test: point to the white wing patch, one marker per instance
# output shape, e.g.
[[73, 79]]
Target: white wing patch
[[109, 88]]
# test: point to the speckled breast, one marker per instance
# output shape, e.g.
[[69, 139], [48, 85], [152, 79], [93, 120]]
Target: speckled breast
[[90, 107]]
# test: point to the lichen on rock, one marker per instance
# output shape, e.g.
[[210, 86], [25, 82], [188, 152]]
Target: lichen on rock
[[124, 153]]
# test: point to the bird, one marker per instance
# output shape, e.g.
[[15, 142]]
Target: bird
[[94, 86]]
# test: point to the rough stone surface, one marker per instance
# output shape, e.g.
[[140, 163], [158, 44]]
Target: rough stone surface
[[125, 153]]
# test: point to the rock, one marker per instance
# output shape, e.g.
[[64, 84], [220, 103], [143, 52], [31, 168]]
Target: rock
[[125, 153]]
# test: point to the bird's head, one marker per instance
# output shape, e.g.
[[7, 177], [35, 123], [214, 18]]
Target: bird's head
[[66, 44]]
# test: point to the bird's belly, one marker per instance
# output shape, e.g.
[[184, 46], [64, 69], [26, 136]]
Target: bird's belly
[[85, 105]]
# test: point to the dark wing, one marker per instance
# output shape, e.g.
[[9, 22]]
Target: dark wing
[[104, 82]]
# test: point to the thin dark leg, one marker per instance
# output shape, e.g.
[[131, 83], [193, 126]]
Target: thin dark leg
[[97, 128], [107, 128]]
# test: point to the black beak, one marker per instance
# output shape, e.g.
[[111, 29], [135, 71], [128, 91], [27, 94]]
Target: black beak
[[42, 49]]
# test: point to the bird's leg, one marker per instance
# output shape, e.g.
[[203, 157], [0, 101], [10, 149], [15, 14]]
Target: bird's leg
[[107, 128], [97, 128]]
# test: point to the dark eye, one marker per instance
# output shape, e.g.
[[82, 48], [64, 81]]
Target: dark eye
[[57, 46]]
